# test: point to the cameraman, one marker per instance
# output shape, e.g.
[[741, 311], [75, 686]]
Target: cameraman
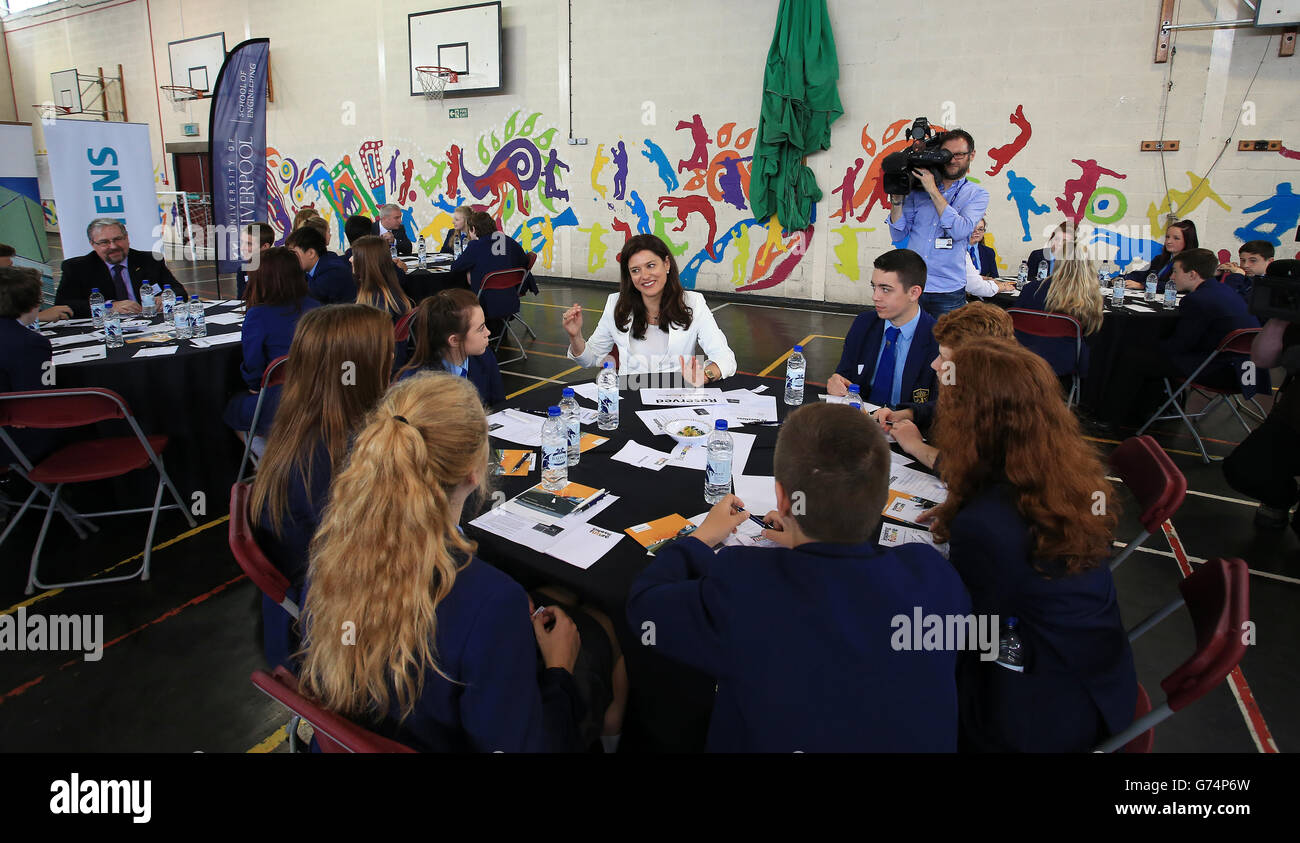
[[1265, 466], [937, 220]]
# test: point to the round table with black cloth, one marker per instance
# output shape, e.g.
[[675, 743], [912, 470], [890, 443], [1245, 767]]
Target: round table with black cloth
[[669, 706], [1121, 330], [420, 284], [179, 395]]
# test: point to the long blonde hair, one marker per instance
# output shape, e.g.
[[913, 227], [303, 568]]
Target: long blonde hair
[[339, 364], [1073, 288], [388, 551]]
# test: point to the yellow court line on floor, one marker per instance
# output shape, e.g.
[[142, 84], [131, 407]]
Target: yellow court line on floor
[[585, 309], [1166, 450], [540, 353], [543, 383], [45, 595], [786, 356], [271, 741]]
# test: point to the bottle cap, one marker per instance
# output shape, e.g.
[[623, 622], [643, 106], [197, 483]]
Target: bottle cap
[[798, 348], [167, 286], [553, 411], [108, 305], [1012, 620], [720, 424], [608, 363], [194, 298], [568, 392], [854, 389], [94, 289]]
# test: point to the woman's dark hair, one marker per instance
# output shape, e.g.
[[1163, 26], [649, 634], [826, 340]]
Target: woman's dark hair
[[1189, 242], [436, 320], [672, 307], [278, 279]]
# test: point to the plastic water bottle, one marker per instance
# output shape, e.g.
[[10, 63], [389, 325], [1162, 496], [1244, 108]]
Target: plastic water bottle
[[1011, 654], [573, 421], [794, 371], [169, 302], [422, 251], [112, 327], [607, 397], [148, 309], [717, 474], [855, 405], [1153, 282], [1171, 295], [555, 451], [36, 324], [1042, 270], [1022, 277], [1117, 291], [97, 308], [181, 320], [392, 249], [198, 322], [855, 394], [1105, 273]]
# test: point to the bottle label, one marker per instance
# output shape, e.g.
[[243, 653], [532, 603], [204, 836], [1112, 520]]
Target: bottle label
[[114, 332], [575, 434], [608, 401], [794, 382], [554, 458], [718, 472]]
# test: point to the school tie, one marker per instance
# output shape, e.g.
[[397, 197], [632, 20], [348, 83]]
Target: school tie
[[975, 256], [882, 383], [118, 284]]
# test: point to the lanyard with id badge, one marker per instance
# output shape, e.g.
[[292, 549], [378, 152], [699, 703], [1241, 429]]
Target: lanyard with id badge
[[945, 242]]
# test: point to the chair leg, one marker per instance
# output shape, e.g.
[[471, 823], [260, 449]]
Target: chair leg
[[1169, 391], [32, 581], [293, 733], [1196, 434], [527, 327], [164, 477], [1232, 405], [27, 504], [153, 525]]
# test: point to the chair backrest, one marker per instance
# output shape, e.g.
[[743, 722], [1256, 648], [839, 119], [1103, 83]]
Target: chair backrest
[[532, 260], [1143, 742], [334, 733], [1040, 323], [402, 330], [1152, 477], [1238, 341], [1218, 597], [56, 408], [274, 374], [252, 561], [503, 279]]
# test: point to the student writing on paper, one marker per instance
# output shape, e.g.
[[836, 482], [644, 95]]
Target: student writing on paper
[[1028, 539], [277, 299], [24, 355], [652, 323], [319, 412], [800, 639], [445, 656], [452, 336], [889, 348]]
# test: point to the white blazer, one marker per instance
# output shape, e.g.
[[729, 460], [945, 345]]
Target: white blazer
[[681, 341]]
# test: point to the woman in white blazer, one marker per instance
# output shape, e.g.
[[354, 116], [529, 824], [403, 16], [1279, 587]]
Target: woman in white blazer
[[654, 322]]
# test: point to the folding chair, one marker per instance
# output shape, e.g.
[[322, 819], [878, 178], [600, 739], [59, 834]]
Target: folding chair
[[1154, 480], [1237, 342], [505, 279], [273, 376], [334, 732], [1040, 323], [402, 330], [1217, 594], [74, 519], [85, 461], [532, 261]]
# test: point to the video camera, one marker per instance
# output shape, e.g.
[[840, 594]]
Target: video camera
[[1276, 293], [923, 153]]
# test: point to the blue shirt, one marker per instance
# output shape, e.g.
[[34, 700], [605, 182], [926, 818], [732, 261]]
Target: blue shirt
[[461, 371], [920, 225], [901, 346]]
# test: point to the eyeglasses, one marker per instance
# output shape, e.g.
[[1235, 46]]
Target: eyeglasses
[[957, 155], [115, 240]]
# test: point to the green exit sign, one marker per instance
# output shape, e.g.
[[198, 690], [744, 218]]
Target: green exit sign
[[457, 112]]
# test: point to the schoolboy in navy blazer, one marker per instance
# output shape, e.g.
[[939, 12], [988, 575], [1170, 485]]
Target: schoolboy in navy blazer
[[1079, 685], [329, 276], [862, 348], [480, 258]]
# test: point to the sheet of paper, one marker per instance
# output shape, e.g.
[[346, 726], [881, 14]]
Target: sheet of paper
[[758, 390], [78, 355], [748, 534], [584, 545], [653, 535], [219, 339], [157, 351], [896, 459], [892, 535], [589, 441], [586, 416], [225, 318], [844, 399], [758, 493], [515, 426], [690, 456], [909, 481], [582, 516], [906, 507], [680, 397], [1140, 308], [657, 420], [518, 528], [585, 390], [634, 453], [73, 339], [74, 323], [745, 407]]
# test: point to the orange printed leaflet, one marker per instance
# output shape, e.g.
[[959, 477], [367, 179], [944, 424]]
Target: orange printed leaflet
[[589, 441], [512, 463], [659, 532]]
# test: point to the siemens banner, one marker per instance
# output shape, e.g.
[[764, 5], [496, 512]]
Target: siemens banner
[[237, 142], [100, 169]]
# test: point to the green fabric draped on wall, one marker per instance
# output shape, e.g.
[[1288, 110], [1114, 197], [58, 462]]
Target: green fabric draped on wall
[[800, 102]]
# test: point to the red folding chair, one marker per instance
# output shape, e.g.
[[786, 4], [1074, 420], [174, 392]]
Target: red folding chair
[[1238, 342], [532, 261], [402, 330], [334, 732], [1217, 595], [505, 279], [1154, 480], [86, 461], [273, 376], [1039, 323], [79, 524]]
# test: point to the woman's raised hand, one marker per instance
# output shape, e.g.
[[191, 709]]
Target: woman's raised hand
[[573, 321]]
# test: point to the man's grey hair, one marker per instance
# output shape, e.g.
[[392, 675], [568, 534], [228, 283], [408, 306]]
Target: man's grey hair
[[390, 208], [103, 222]]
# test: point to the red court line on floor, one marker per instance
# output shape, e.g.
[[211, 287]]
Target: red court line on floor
[[1254, 718], [170, 613]]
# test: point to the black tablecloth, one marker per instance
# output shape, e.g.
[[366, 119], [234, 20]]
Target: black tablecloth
[[180, 395], [419, 284], [1121, 330]]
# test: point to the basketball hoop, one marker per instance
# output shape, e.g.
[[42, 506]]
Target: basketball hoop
[[434, 81], [49, 110], [180, 95]]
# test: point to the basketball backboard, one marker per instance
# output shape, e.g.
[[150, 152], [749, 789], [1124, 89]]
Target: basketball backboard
[[66, 89], [466, 39], [196, 61]]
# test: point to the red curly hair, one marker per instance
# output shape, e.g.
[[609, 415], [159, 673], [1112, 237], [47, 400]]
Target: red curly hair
[[1003, 418]]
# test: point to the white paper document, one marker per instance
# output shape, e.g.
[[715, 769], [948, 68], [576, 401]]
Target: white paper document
[[743, 406], [680, 397], [516, 426], [157, 351], [225, 318], [758, 493], [844, 399], [892, 535], [896, 459], [79, 355], [909, 481], [518, 528], [59, 342], [634, 453], [584, 545], [586, 390], [1140, 308], [690, 456], [748, 534], [219, 339]]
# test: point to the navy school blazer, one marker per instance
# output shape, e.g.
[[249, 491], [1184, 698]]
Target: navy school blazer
[[801, 643], [484, 373], [23, 354], [863, 344], [988, 262], [332, 282], [1205, 316]]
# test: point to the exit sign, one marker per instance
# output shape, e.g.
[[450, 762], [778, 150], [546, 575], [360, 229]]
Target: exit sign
[[457, 112]]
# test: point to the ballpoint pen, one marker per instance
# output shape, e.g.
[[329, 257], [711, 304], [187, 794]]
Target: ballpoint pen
[[590, 502], [527, 455]]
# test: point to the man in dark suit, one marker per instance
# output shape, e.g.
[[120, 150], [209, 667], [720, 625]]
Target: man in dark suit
[[254, 239], [389, 226], [1207, 314], [888, 350], [329, 277], [115, 269], [984, 258]]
